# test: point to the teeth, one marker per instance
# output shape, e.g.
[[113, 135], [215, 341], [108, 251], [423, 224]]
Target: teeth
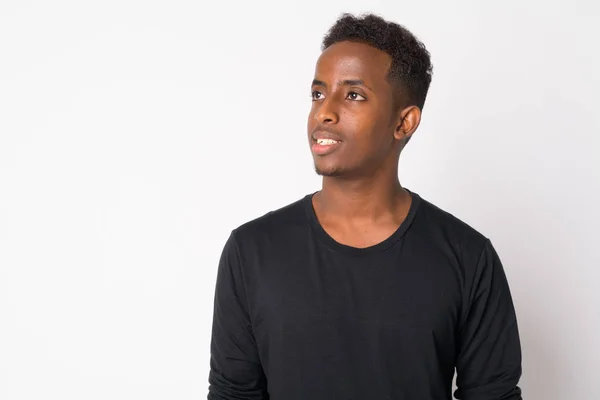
[[326, 141]]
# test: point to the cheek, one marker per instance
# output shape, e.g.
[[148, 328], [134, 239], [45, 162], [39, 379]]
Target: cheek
[[365, 117], [363, 128], [355, 124], [310, 121], [373, 140]]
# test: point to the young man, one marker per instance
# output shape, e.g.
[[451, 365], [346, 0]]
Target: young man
[[363, 290]]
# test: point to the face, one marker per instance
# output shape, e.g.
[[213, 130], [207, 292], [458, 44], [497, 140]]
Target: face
[[352, 121]]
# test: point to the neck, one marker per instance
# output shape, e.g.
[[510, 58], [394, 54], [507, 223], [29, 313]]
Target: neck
[[368, 198]]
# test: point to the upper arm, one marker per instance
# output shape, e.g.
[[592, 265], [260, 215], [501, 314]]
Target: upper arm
[[489, 355], [235, 368]]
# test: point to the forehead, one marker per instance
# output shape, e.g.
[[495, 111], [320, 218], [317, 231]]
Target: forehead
[[353, 60]]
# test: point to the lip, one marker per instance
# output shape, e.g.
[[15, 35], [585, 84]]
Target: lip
[[324, 149], [326, 135]]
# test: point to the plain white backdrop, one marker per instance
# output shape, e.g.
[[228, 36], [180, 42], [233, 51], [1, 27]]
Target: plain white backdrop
[[135, 135]]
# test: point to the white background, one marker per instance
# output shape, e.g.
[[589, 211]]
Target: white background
[[134, 135]]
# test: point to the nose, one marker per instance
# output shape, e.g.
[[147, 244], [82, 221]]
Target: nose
[[327, 112]]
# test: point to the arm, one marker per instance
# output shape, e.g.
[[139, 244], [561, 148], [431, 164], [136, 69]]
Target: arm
[[489, 359], [235, 368]]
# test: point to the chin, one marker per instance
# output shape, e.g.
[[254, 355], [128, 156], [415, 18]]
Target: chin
[[329, 170]]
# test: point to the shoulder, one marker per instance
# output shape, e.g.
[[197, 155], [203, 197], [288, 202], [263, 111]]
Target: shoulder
[[443, 228], [444, 220], [275, 225]]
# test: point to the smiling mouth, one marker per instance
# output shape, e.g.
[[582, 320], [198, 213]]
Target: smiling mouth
[[326, 142], [323, 147]]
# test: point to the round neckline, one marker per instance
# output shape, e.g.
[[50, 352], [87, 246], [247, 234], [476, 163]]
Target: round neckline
[[360, 251]]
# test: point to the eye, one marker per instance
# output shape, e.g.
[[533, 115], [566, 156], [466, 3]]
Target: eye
[[355, 96], [316, 95]]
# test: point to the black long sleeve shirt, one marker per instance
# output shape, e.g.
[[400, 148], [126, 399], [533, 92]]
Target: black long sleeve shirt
[[298, 315]]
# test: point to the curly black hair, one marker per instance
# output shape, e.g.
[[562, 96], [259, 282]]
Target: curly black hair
[[411, 68]]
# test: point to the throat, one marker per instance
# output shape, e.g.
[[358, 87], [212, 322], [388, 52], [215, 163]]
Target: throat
[[361, 235]]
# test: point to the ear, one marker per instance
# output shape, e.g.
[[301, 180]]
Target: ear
[[408, 122]]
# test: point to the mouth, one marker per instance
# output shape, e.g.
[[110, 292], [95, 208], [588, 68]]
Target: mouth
[[322, 147]]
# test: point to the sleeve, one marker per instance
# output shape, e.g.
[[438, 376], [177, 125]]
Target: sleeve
[[488, 362], [235, 368]]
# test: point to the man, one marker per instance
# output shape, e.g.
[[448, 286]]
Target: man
[[363, 290]]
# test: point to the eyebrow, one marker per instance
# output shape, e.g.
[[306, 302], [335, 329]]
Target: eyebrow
[[346, 82]]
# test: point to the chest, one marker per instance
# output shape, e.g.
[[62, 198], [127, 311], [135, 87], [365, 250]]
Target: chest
[[384, 293]]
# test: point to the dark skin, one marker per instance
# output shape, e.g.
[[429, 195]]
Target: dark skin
[[361, 202]]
